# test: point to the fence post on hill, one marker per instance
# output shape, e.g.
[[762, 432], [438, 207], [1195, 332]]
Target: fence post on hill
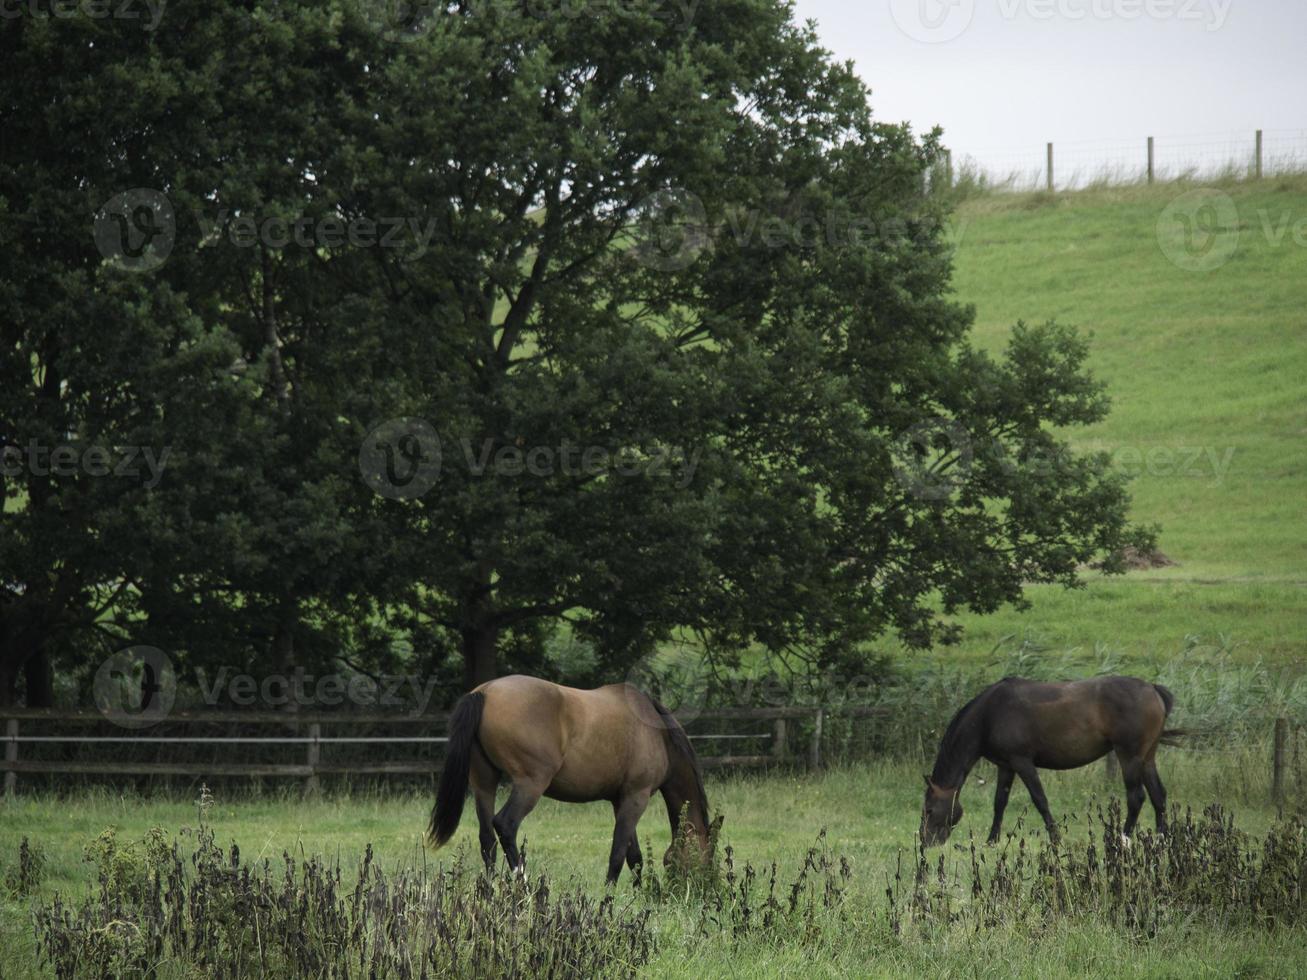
[[1257, 166], [11, 755], [1281, 739], [948, 169], [1113, 767], [1050, 168], [778, 740], [1151, 159], [311, 784]]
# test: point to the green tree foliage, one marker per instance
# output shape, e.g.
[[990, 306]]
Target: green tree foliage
[[480, 318]]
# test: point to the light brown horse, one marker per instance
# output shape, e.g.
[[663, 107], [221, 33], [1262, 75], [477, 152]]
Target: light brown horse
[[1022, 725], [614, 743]]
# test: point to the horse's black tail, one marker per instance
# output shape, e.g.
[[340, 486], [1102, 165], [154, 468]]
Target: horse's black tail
[[452, 793], [1168, 699], [1169, 736]]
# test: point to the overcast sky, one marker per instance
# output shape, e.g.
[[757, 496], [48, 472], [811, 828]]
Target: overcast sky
[[1005, 75]]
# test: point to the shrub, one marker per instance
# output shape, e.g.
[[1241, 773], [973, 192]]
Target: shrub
[[225, 918], [1204, 869], [25, 877]]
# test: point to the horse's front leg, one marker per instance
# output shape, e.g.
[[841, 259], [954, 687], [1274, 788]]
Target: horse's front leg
[[627, 811], [1002, 787], [1030, 776]]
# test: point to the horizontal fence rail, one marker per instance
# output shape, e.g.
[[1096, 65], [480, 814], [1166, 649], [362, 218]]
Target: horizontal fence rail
[[19, 722], [777, 738]]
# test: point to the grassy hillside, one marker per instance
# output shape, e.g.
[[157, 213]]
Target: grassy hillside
[[1207, 369]]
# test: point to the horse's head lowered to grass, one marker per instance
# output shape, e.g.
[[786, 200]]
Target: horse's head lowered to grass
[[940, 813], [693, 845]]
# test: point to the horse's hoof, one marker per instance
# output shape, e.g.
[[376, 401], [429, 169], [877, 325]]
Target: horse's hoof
[[1125, 840]]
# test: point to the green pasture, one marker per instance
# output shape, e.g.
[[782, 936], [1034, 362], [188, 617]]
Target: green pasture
[[1206, 371]]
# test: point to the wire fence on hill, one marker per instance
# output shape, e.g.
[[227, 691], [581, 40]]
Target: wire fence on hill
[[1076, 164]]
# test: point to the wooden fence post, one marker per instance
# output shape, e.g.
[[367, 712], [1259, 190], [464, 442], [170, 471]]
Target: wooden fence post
[[1277, 760], [778, 747], [311, 784], [948, 169], [1151, 160], [1113, 767], [814, 748], [1050, 167], [11, 755], [1257, 166]]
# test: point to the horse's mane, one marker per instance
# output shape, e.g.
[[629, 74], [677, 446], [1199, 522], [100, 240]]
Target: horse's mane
[[678, 741], [956, 721], [948, 744]]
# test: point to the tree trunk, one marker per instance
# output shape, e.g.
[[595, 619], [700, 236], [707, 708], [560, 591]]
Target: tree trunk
[[38, 673], [283, 652], [480, 654], [8, 679], [21, 644]]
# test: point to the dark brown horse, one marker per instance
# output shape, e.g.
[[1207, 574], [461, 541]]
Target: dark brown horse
[[613, 743], [1022, 725]]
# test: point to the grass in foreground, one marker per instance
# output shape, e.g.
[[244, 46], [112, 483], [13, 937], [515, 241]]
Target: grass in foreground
[[869, 812]]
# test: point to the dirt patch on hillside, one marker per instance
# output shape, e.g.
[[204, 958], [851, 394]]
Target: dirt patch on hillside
[[1136, 560]]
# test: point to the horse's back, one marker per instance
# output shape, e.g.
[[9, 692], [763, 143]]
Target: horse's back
[[589, 744], [1067, 724]]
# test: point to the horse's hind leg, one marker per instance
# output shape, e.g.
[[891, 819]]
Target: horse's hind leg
[[628, 810], [1030, 776], [485, 780], [1132, 772], [521, 801], [1156, 793], [1002, 787]]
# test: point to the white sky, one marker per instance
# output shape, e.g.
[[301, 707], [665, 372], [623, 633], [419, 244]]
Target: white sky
[[1003, 77]]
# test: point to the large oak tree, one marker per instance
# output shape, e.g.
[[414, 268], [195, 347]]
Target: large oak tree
[[666, 334]]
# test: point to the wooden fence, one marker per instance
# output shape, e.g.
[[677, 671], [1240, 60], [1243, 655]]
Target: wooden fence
[[776, 724], [32, 726]]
